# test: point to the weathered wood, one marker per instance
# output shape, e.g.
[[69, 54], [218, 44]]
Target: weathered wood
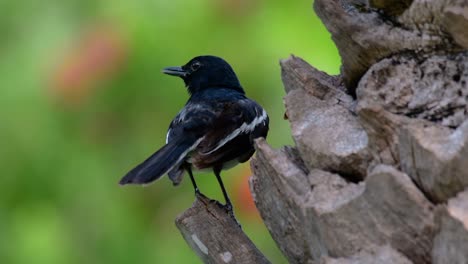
[[363, 37], [382, 129], [433, 88], [215, 236], [455, 21], [323, 215], [319, 106], [341, 150], [372, 255], [277, 193], [398, 131], [443, 21], [298, 74], [391, 7], [451, 241], [436, 158], [388, 210]]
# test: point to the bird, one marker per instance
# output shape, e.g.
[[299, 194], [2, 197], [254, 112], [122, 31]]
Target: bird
[[215, 130]]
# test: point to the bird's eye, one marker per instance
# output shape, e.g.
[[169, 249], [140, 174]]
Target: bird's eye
[[195, 66]]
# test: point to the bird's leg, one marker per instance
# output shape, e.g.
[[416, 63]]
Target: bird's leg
[[228, 205], [189, 170]]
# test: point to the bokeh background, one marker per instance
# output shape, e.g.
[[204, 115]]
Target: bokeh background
[[82, 100]]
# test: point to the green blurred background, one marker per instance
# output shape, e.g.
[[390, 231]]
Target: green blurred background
[[82, 100]]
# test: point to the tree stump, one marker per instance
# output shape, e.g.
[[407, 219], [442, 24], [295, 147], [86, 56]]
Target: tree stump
[[379, 170]]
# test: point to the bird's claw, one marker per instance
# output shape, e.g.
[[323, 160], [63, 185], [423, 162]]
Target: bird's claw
[[199, 195], [229, 210]]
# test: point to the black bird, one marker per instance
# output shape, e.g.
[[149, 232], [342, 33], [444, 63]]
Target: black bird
[[215, 129]]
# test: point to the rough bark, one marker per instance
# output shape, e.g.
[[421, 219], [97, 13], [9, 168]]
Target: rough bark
[[379, 170], [379, 146], [364, 34], [436, 158], [286, 226], [344, 151], [328, 216], [381, 255], [451, 241], [215, 236], [432, 88]]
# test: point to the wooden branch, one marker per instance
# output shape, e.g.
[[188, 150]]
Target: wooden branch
[[216, 236]]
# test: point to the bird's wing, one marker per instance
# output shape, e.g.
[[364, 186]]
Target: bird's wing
[[161, 162], [232, 119], [194, 120], [219, 123], [187, 130]]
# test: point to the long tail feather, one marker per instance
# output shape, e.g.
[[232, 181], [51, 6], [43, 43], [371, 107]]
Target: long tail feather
[[160, 162]]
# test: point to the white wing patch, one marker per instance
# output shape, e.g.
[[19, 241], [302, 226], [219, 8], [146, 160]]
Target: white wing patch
[[243, 128], [186, 110], [167, 135], [181, 116], [182, 156]]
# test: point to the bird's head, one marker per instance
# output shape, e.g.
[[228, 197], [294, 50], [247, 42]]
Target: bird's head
[[205, 72]]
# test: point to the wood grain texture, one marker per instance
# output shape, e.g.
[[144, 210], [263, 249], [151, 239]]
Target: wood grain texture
[[317, 214], [215, 236], [365, 33], [451, 240], [372, 255]]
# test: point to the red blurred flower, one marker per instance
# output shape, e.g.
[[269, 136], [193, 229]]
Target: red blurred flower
[[98, 53]]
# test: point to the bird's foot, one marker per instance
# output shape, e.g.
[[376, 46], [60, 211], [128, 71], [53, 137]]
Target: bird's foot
[[199, 195], [228, 208], [230, 211], [216, 202]]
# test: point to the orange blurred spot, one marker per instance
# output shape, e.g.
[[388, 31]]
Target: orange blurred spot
[[98, 53], [242, 196], [236, 9]]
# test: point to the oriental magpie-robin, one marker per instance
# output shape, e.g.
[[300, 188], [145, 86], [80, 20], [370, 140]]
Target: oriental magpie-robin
[[215, 129]]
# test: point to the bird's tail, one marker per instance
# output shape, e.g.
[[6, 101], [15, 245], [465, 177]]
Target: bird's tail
[[160, 162]]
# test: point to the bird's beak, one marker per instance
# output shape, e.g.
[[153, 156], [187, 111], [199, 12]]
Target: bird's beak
[[175, 71]]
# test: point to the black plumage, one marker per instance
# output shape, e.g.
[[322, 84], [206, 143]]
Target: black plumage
[[215, 130]]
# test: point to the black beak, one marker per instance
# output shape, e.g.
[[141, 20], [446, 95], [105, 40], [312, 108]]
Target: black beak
[[175, 71]]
